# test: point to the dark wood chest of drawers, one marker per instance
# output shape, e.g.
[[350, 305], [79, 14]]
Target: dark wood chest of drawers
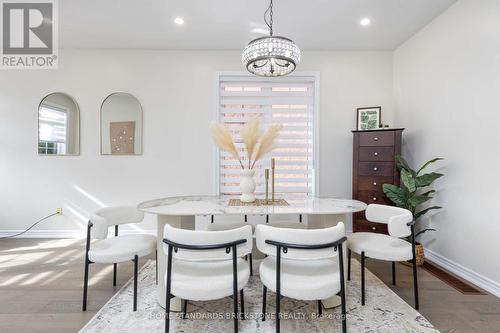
[[373, 166]]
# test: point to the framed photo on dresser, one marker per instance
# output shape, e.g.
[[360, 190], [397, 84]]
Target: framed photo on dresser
[[368, 118]]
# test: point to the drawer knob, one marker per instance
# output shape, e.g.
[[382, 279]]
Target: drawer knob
[[375, 154], [374, 228], [374, 183], [375, 138], [374, 199], [375, 169]]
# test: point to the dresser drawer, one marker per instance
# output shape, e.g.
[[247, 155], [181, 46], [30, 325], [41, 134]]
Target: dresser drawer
[[376, 154], [374, 197], [376, 169], [367, 183], [362, 225], [376, 138]]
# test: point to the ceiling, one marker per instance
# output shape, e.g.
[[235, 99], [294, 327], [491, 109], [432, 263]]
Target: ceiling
[[231, 24]]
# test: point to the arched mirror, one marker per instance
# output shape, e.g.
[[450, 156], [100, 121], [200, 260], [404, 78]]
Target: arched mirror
[[58, 125], [121, 125]]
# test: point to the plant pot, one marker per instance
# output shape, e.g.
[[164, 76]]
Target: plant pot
[[247, 186], [419, 253]]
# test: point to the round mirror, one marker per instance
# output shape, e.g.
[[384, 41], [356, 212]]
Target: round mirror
[[58, 125], [121, 125]]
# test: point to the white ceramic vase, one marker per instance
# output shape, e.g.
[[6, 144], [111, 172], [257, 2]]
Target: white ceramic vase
[[247, 185]]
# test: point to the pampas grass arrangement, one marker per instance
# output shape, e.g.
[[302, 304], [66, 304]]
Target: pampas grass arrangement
[[257, 145], [250, 134], [267, 142], [224, 140]]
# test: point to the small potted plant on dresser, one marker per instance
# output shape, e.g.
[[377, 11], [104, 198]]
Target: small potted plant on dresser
[[410, 196]]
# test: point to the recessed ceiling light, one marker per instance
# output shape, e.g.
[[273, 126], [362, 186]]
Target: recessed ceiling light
[[365, 22], [179, 21]]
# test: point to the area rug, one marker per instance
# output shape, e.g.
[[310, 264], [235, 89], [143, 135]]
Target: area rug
[[384, 311]]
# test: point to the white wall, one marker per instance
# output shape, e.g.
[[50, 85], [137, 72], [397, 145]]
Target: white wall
[[447, 82], [177, 92]]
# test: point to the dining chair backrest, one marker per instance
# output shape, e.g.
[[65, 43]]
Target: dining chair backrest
[[396, 218], [299, 237], [201, 238], [104, 218]]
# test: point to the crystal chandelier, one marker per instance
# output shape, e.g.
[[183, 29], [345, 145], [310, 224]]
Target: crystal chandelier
[[271, 55]]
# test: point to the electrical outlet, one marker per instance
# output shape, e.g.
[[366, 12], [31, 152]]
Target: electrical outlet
[[59, 211]]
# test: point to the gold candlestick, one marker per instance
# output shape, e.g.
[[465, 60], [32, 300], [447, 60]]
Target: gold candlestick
[[273, 164], [267, 185]]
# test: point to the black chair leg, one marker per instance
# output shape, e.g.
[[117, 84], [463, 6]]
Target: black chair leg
[[85, 285], [242, 305], [362, 278], [167, 311], [393, 273], [264, 296], [278, 306], [251, 264], [278, 288], [348, 265], [87, 263], [415, 283], [320, 309], [115, 266], [136, 264], [114, 274], [184, 308], [168, 289], [156, 266], [343, 305], [235, 289], [414, 261], [342, 289]]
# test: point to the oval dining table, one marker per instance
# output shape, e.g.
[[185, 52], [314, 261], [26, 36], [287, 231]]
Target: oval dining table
[[180, 212]]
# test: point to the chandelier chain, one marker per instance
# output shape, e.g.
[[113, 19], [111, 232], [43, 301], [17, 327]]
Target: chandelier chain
[[270, 22]]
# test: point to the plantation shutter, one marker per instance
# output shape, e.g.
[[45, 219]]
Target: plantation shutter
[[52, 124], [288, 101]]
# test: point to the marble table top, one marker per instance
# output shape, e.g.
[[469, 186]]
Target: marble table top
[[219, 205]]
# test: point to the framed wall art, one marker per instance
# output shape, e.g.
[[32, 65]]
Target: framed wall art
[[369, 118]]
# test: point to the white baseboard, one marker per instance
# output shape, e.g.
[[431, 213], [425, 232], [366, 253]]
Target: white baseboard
[[63, 233], [479, 280]]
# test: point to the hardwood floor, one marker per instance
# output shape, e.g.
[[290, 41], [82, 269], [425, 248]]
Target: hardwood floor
[[41, 290]]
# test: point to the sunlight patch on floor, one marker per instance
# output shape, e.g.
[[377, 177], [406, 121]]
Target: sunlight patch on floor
[[38, 277], [14, 279]]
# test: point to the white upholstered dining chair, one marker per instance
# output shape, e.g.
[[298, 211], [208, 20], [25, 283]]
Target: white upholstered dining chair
[[206, 265], [302, 264], [116, 249], [219, 226], [390, 247]]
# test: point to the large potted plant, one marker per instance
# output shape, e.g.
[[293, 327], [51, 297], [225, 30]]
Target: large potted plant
[[409, 194]]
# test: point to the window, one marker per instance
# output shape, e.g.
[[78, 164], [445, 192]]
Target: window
[[287, 100], [53, 124]]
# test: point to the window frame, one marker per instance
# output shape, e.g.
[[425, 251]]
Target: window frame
[[316, 122], [56, 107]]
